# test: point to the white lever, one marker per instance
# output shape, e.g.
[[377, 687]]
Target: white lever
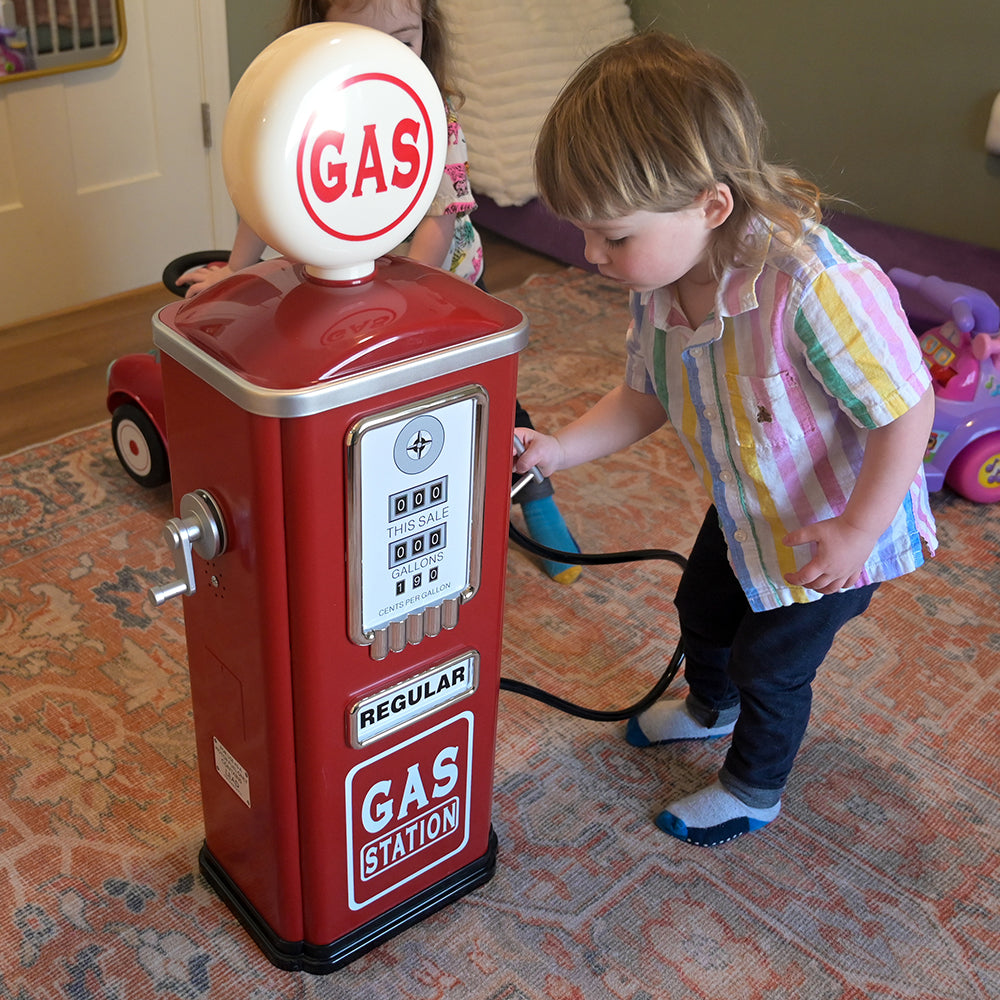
[[533, 473]]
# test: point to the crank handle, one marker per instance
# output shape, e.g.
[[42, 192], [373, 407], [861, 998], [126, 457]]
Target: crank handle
[[533, 473], [201, 529]]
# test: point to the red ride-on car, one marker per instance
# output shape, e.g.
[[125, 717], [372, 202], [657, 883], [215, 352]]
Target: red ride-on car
[[135, 393], [138, 427]]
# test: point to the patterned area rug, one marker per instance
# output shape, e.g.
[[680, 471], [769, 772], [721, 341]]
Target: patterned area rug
[[879, 879]]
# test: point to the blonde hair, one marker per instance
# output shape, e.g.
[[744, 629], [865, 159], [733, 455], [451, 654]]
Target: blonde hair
[[435, 51], [650, 123]]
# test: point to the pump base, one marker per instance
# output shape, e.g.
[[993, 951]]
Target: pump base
[[304, 956]]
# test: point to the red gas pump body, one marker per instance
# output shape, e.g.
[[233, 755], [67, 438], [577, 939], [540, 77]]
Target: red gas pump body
[[345, 743]]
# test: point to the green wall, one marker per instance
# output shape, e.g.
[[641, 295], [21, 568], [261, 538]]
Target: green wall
[[882, 102], [251, 25]]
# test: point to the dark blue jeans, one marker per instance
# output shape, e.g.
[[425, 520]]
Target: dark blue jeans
[[755, 667]]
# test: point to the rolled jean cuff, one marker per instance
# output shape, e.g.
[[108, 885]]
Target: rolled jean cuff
[[756, 798], [709, 716]]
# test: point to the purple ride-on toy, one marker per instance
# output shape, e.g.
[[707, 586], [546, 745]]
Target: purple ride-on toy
[[135, 393], [963, 355]]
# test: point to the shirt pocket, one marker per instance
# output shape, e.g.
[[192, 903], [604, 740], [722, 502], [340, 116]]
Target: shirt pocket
[[770, 412]]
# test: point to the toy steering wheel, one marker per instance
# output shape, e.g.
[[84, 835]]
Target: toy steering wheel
[[188, 262]]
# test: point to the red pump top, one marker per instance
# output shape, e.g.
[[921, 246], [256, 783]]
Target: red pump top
[[272, 328]]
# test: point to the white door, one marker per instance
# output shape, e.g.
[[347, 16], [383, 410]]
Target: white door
[[104, 176]]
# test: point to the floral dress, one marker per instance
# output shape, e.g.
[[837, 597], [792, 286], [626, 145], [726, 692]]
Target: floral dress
[[454, 197]]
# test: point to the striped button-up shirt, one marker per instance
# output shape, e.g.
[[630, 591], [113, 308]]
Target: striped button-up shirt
[[773, 397]]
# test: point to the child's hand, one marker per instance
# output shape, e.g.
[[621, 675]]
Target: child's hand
[[840, 551], [543, 450], [202, 278]]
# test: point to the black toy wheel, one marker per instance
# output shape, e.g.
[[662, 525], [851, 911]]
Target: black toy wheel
[[139, 447]]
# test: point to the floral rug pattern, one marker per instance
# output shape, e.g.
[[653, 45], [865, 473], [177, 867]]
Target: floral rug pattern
[[879, 880]]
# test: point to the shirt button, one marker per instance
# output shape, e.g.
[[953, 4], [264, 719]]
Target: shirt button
[[710, 412], [740, 536], [726, 476], [695, 352]]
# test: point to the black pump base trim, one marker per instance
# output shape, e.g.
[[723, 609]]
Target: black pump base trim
[[319, 959]]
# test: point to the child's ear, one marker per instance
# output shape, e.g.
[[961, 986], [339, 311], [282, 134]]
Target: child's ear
[[718, 205]]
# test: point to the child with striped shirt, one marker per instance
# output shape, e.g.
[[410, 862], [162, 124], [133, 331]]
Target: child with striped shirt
[[783, 360]]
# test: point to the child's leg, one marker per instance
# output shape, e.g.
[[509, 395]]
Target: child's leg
[[774, 658], [543, 520], [711, 605]]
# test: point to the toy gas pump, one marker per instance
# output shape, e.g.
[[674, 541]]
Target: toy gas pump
[[340, 450]]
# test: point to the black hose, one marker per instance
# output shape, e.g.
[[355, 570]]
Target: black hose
[[593, 558], [597, 559]]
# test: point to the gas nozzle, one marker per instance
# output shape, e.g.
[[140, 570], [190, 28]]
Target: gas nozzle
[[533, 473], [201, 529]]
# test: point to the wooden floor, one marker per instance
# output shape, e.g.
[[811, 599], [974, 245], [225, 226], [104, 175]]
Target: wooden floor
[[53, 370]]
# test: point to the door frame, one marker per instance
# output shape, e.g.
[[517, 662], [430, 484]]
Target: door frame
[[216, 93]]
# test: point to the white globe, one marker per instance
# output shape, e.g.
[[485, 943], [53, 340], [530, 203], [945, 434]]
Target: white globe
[[333, 146]]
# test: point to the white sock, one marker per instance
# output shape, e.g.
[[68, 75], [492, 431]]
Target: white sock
[[667, 721], [713, 816]]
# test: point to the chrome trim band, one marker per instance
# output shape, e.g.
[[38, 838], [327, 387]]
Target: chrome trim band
[[304, 402]]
